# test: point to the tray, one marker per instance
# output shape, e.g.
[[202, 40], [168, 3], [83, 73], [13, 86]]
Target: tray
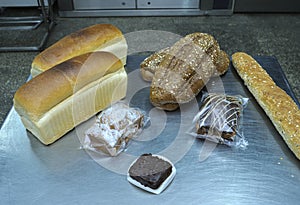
[[266, 172]]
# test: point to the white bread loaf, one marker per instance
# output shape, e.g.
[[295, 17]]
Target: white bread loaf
[[54, 102], [277, 104], [99, 37]]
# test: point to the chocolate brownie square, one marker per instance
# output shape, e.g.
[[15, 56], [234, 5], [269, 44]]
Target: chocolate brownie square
[[151, 171]]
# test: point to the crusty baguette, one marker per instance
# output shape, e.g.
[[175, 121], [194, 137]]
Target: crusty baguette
[[277, 104], [60, 98], [99, 37]]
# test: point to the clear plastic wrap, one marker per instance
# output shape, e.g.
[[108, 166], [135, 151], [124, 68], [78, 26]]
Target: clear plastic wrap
[[219, 119], [114, 128]]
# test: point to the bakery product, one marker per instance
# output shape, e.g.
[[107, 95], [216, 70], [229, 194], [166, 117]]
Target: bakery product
[[99, 37], [60, 98], [219, 116], [151, 63], [114, 128], [207, 42], [54, 102], [277, 104], [184, 69], [152, 173]]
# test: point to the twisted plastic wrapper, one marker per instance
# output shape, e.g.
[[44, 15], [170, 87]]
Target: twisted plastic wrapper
[[219, 119], [114, 128]]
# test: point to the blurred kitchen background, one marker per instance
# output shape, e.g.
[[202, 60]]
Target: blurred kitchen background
[[258, 27]]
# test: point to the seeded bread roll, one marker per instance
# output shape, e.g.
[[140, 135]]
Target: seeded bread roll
[[99, 37], [204, 41], [184, 70], [151, 63], [60, 98], [277, 104]]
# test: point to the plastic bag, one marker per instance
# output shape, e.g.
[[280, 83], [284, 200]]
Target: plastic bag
[[219, 119], [114, 128]]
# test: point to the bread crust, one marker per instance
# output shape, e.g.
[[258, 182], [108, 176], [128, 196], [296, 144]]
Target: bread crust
[[181, 71], [77, 108], [40, 94], [151, 64], [277, 104], [83, 41]]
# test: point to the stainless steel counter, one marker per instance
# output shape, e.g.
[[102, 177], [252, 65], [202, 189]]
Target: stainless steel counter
[[266, 172]]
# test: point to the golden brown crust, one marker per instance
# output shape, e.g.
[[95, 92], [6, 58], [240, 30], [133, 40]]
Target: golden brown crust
[[77, 108], [278, 105], [51, 87], [83, 41]]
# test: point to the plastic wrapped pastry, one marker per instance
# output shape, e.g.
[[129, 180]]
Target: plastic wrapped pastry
[[219, 118], [113, 129]]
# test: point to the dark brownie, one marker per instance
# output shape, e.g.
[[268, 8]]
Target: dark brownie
[[150, 171]]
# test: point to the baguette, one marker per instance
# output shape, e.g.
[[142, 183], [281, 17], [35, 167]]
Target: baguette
[[277, 104], [54, 102], [99, 37]]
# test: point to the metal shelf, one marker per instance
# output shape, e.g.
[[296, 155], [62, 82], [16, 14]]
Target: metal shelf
[[30, 23]]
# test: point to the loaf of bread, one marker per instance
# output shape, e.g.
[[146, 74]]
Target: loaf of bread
[[277, 104], [182, 71], [54, 102], [99, 37]]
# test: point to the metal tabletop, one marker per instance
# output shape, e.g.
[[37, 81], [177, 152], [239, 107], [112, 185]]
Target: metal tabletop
[[266, 172]]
